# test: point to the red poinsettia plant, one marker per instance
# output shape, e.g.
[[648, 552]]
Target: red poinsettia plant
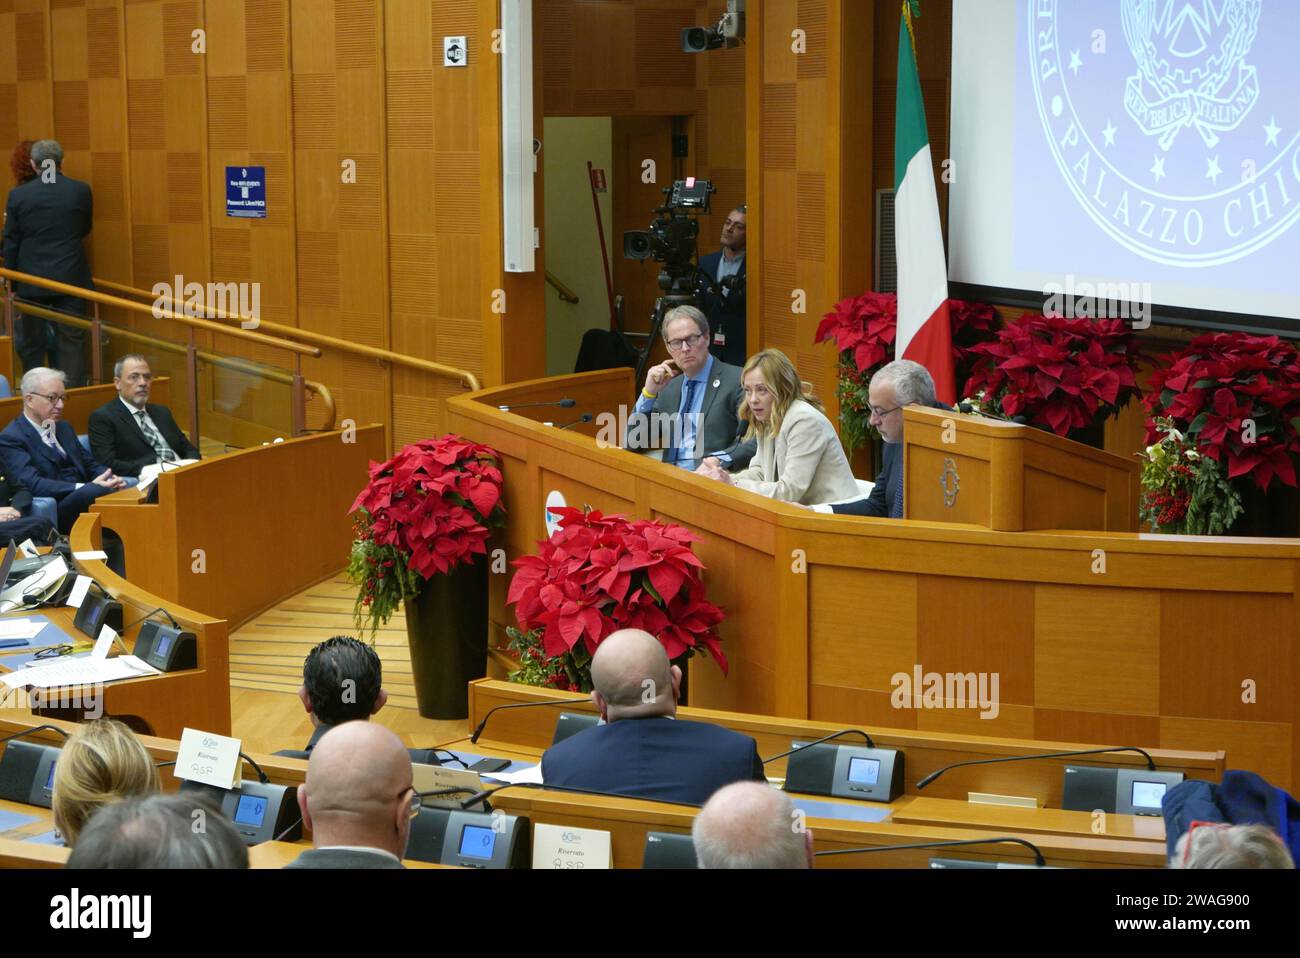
[[1236, 398], [424, 512], [598, 574], [1059, 373], [864, 328]]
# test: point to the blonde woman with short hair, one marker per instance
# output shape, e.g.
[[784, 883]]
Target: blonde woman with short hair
[[102, 762], [799, 456]]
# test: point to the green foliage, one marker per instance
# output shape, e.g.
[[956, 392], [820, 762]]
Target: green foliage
[[1184, 492], [383, 581], [855, 408], [570, 672]]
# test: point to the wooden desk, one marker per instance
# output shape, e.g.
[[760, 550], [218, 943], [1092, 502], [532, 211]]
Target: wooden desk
[[20, 854], [155, 704], [1095, 637], [1056, 821], [532, 728], [628, 820], [279, 854], [237, 534]]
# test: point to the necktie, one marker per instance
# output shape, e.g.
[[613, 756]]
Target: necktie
[[896, 511], [151, 433], [687, 432], [48, 436]]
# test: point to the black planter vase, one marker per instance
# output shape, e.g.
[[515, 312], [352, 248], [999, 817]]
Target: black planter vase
[[1272, 514], [447, 628]]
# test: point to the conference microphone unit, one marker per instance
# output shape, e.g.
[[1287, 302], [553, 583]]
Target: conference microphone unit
[[1039, 860], [844, 771], [478, 729], [562, 403], [586, 417], [448, 836], [27, 768], [1151, 765]]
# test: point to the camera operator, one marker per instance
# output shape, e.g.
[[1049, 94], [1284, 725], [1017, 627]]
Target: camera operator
[[724, 304]]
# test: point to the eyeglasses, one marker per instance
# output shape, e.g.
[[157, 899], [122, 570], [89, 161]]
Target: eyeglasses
[[55, 398], [879, 413], [139, 378], [1191, 829], [690, 342], [53, 652], [416, 802]]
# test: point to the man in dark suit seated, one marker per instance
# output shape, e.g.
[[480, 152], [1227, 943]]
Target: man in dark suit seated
[[895, 385], [46, 220], [724, 304], [689, 403], [644, 751], [342, 681], [41, 451], [15, 523], [357, 799], [130, 432]]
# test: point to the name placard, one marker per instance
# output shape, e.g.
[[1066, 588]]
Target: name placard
[[208, 758], [560, 846]]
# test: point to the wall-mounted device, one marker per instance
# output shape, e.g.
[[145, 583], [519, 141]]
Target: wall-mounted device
[[260, 812], [27, 773], [167, 648], [1126, 791], [845, 771], [471, 839], [727, 32]]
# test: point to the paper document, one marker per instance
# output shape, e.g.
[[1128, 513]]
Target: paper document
[[149, 474], [77, 671], [530, 775], [19, 628]]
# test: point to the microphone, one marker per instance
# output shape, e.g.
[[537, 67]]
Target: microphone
[[563, 404], [1151, 765], [570, 703], [585, 418], [32, 731], [967, 409], [825, 738], [1039, 860], [478, 797], [128, 628]]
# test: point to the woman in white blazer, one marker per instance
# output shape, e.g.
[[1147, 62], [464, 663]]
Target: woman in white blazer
[[799, 456]]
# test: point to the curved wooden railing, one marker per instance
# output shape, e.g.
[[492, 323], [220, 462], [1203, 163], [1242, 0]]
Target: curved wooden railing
[[298, 384], [467, 378]]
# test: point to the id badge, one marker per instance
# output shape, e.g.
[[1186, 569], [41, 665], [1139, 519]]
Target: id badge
[[719, 338]]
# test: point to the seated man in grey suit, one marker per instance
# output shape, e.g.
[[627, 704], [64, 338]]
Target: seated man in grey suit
[[751, 825], [158, 831], [690, 403], [357, 799], [895, 385], [130, 432]]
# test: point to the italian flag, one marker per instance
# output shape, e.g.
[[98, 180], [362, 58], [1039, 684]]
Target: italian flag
[[924, 330]]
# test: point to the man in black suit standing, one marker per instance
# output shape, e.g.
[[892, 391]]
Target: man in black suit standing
[[130, 432], [725, 303], [895, 385], [643, 750], [46, 220], [357, 799], [41, 451], [689, 404]]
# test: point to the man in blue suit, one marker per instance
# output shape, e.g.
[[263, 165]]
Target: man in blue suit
[[41, 452], [643, 750], [895, 385], [724, 303]]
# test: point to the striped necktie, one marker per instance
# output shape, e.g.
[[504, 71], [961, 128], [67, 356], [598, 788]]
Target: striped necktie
[[151, 433]]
